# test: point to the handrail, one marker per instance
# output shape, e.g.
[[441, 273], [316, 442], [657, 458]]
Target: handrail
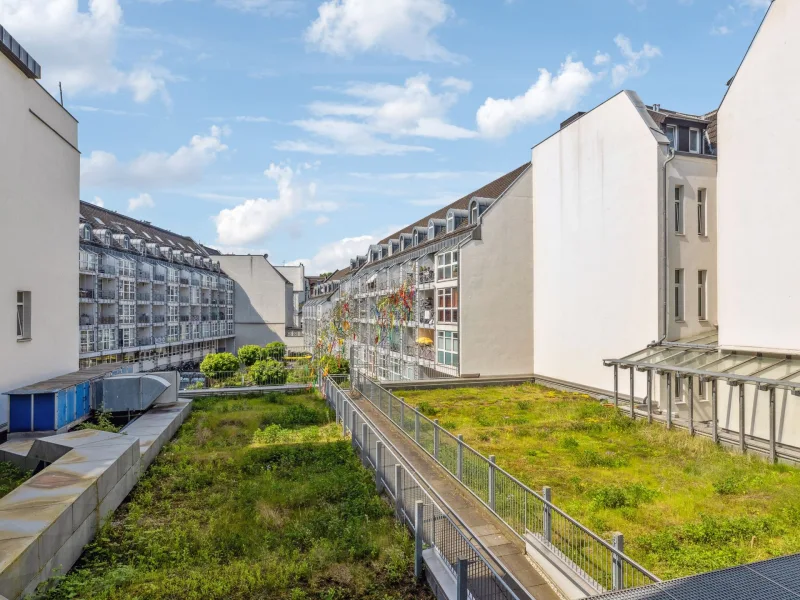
[[500, 587], [614, 570]]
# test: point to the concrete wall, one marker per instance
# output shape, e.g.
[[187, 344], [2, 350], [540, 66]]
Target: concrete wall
[[759, 211], [260, 300], [39, 191], [496, 284], [595, 244], [690, 251]]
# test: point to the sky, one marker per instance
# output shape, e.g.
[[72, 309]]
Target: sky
[[308, 129]]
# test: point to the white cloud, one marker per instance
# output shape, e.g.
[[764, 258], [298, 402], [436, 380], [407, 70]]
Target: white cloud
[[141, 201], [400, 27], [98, 201], [264, 7], [108, 111], [155, 169], [544, 99], [427, 175], [380, 111], [741, 13], [254, 219], [639, 5], [602, 58], [321, 220], [79, 48], [336, 255], [637, 62]]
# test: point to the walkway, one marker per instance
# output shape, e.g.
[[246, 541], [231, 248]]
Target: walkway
[[492, 533]]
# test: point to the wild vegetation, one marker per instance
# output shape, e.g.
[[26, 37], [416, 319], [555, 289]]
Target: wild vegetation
[[11, 477], [258, 498], [684, 504]]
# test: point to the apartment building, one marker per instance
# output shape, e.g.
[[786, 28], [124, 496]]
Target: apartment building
[[296, 275], [423, 302], [39, 191], [265, 301], [148, 297], [624, 237]]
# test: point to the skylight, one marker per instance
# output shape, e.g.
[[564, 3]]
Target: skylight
[[99, 220]]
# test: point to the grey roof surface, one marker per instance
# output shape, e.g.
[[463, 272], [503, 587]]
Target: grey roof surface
[[773, 579], [62, 382]]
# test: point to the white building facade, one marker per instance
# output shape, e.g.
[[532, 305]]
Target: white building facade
[[39, 192]]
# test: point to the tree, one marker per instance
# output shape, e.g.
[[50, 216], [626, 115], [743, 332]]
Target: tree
[[219, 365], [275, 350], [250, 354], [334, 365], [268, 372]]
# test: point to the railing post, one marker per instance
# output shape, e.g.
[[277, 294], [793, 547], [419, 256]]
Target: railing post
[[633, 399], [618, 565], [669, 399], [398, 492], [460, 455], [416, 426], [742, 443], [616, 385], [344, 419], [691, 406], [461, 579], [353, 417], [419, 524], [379, 466], [547, 514], [714, 408], [491, 481], [364, 444], [390, 408], [402, 416], [649, 396], [773, 454], [436, 440]]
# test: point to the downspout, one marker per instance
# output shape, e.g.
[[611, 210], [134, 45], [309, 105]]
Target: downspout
[[665, 307]]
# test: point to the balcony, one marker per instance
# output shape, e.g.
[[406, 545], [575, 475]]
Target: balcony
[[159, 277], [145, 341], [143, 319], [143, 296], [159, 318], [159, 297], [107, 294], [107, 320], [426, 275], [293, 332], [144, 275], [107, 270], [184, 281], [86, 320], [195, 318], [184, 299], [87, 266], [85, 294], [427, 353], [185, 318]]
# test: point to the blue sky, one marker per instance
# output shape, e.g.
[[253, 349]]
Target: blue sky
[[308, 128]]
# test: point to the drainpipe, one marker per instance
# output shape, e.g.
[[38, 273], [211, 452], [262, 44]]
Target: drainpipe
[[665, 307]]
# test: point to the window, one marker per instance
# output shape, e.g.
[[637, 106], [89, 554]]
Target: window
[[447, 348], [672, 135], [694, 141], [677, 305], [416, 238], [447, 265], [451, 222], [702, 295], [447, 305], [431, 231], [679, 209], [473, 216], [701, 213], [87, 341], [172, 293], [127, 290], [127, 314], [107, 339], [87, 233], [24, 316], [128, 337], [677, 386]]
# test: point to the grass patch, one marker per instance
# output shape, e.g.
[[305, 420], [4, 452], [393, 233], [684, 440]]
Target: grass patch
[[11, 477], [258, 498], [684, 504]]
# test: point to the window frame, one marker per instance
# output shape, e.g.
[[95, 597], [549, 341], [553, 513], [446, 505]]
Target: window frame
[[431, 231], [678, 216], [451, 222], [447, 305], [448, 269], [702, 212], [675, 136], [442, 337], [678, 297], [23, 314], [702, 294], [692, 132]]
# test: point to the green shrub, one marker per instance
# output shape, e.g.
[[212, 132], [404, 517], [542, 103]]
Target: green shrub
[[592, 458], [569, 443], [219, 365], [250, 354], [427, 409], [102, 422], [627, 496], [730, 484], [334, 365], [275, 351], [268, 372]]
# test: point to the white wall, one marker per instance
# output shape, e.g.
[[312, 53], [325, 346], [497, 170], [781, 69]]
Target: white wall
[[39, 191], [496, 286], [759, 210], [596, 244], [260, 299]]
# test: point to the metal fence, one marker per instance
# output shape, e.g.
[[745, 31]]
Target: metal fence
[[433, 528], [296, 371], [600, 564]]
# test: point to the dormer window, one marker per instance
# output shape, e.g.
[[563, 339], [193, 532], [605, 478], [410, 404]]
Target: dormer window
[[672, 136], [451, 222], [416, 238], [694, 141], [86, 233], [431, 231], [107, 238], [473, 214]]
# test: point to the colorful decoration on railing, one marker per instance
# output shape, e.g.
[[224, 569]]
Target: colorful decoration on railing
[[392, 310], [335, 327]]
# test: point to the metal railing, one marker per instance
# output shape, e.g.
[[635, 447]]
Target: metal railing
[[599, 563], [159, 318], [84, 293], [107, 320], [159, 297], [107, 294], [426, 277], [143, 297], [453, 542]]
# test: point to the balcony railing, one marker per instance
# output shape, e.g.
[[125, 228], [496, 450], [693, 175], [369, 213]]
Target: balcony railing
[[144, 319], [84, 293], [159, 318], [145, 341], [159, 297], [184, 299], [85, 265], [427, 352], [107, 294], [146, 275], [185, 280], [107, 269], [143, 297], [185, 318], [159, 277], [107, 320], [86, 320], [427, 277]]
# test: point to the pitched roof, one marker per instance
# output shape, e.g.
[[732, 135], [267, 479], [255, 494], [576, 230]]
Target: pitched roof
[[103, 218], [490, 190]]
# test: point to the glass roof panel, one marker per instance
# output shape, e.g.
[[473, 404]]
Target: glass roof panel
[[700, 359], [754, 366], [794, 378], [781, 370], [728, 362], [649, 351], [702, 338], [664, 356]]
